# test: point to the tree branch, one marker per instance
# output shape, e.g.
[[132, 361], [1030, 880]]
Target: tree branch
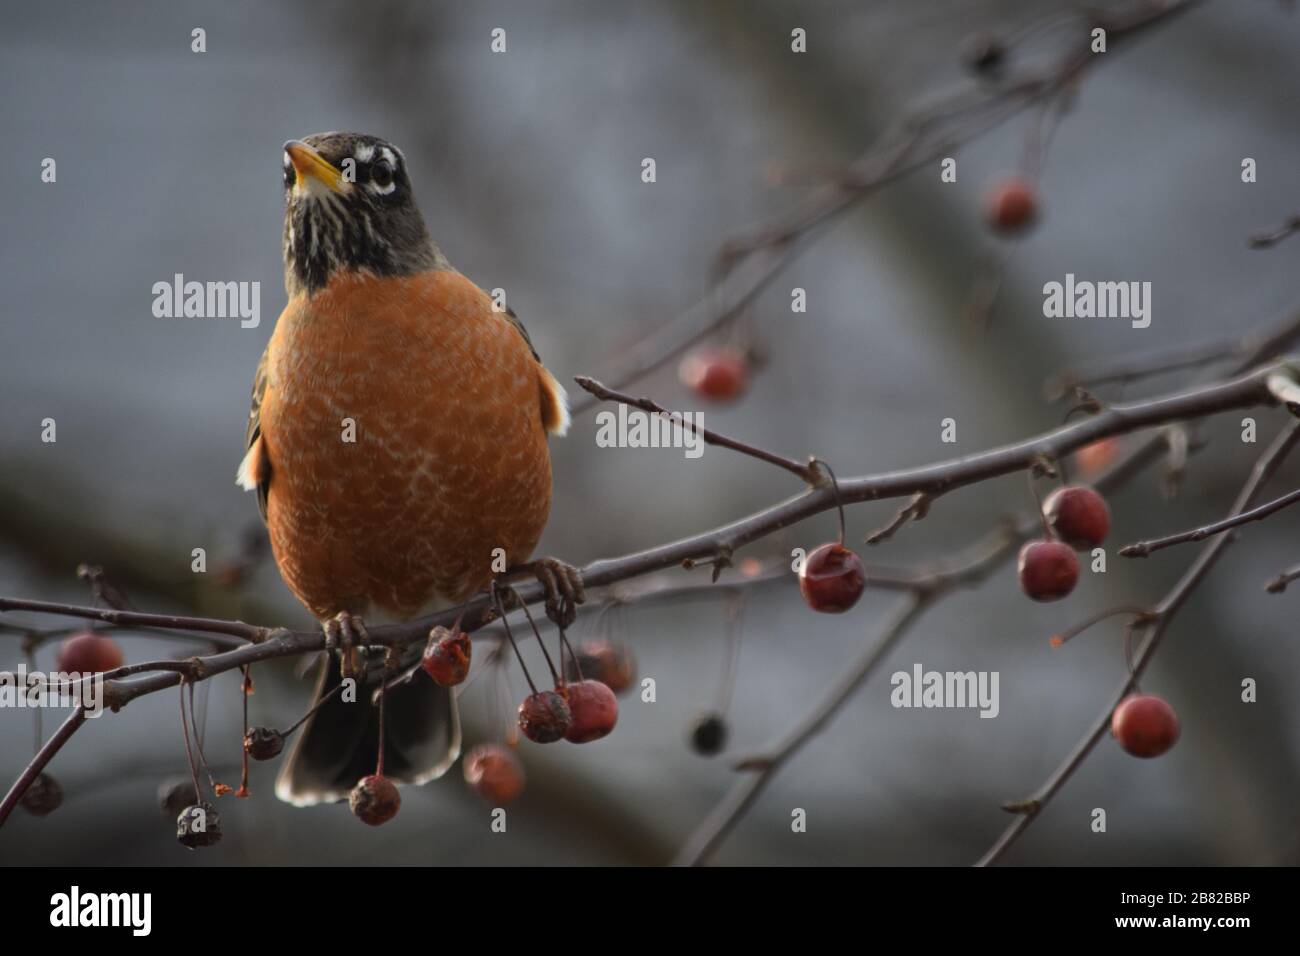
[[1140, 549], [1155, 627]]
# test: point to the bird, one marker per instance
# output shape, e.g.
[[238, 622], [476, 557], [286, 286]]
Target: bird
[[398, 446]]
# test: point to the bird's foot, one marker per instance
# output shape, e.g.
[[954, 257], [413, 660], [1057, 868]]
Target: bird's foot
[[346, 633], [562, 584]]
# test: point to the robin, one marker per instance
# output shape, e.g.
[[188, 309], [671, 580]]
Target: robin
[[398, 446]]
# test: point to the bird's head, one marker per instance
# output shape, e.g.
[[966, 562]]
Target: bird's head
[[349, 207]]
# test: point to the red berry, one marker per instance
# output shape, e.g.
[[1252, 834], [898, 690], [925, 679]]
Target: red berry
[[1144, 725], [832, 578], [719, 374], [1093, 457], [603, 660], [89, 653], [375, 800], [1012, 206], [495, 773], [545, 717], [446, 658], [595, 711], [1078, 515], [1048, 570]]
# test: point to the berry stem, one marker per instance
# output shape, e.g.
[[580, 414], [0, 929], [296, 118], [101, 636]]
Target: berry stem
[[735, 608], [839, 502], [559, 682], [189, 753], [501, 612], [325, 698], [244, 686], [1048, 533], [1139, 615]]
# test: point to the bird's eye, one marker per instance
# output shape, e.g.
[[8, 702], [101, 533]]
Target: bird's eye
[[289, 175], [382, 174]]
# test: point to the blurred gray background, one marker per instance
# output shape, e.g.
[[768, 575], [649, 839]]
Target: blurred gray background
[[527, 168]]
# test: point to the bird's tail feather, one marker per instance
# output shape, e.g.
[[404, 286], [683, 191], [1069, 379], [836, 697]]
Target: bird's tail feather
[[338, 745]]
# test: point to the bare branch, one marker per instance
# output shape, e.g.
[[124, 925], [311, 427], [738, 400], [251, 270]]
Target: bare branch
[[1140, 549], [808, 471]]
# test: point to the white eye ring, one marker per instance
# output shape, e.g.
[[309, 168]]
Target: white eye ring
[[383, 189]]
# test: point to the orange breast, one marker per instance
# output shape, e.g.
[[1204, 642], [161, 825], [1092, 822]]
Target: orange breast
[[403, 428]]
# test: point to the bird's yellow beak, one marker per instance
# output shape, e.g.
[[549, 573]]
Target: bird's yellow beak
[[307, 162]]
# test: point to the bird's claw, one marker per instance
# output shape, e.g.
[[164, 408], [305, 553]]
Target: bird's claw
[[346, 633], [564, 589], [561, 583]]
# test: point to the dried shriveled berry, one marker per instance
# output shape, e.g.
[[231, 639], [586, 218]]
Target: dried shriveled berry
[[375, 800], [1145, 725], [44, 796], [198, 826], [609, 662], [1048, 570], [594, 709], [545, 717], [495, 773], [263, 743], [832, 578], [446, 657]]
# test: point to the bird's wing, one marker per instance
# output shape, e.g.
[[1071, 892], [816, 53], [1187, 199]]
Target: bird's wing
[[554, 399], [255, 470]]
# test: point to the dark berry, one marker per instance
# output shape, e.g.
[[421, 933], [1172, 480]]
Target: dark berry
[[44, 796], [832, 578], [263, 743], [198, 826], [375, 800], [175, 795], [545, 717], [709, 734]]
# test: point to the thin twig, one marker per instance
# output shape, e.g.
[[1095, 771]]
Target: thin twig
[[805, 470], [1140, 549], [1264, 240]]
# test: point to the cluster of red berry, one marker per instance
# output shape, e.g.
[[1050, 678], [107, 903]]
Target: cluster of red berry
[[581, 708], [1075, 519]]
